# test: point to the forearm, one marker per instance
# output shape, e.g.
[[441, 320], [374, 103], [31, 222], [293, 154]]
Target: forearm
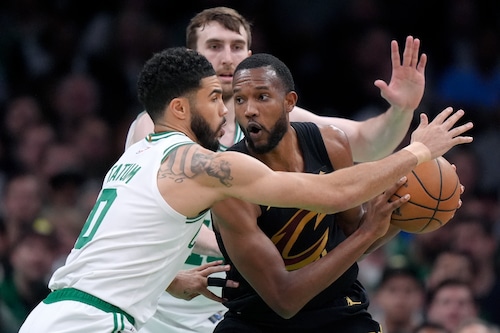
[[370, 139], [378, 136], [304, 284], [355, 186], [391, 233]]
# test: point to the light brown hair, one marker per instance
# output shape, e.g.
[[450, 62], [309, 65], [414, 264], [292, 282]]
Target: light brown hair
[[227, 17]]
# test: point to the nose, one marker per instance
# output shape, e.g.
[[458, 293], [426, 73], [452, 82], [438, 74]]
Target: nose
[[227, 55], [251, 110], [224, 110]]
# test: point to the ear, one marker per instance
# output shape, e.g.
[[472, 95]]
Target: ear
[[249, 53], [290, 100], [179, 107]]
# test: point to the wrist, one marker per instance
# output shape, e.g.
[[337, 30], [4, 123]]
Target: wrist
[[421, 152]]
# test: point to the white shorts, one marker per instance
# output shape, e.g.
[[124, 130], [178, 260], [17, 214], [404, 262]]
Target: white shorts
[[174, 315], [74, 317]]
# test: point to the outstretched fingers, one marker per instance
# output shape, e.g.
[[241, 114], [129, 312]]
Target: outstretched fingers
[[451, 121], [395, 57], [422, 63], [443, 115], [416, 48], [407, 53]]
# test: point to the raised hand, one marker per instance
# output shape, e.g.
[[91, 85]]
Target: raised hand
[[441, 134], [406, 88]]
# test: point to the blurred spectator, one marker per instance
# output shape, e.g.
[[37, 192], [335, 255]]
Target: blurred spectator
[[451, 264], [31, 258], [75, 97], [474, 235], [20, 113], [426, 247], [60, 157], [65, 189], [94, 146], [430, 327], [398, 300], [31, 147], [450, 303], [22, 203]]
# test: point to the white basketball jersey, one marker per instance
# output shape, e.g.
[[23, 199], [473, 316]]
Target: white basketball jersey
[[133, 243], [200, 314]]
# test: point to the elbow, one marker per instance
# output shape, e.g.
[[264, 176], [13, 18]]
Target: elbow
[[286, 310]]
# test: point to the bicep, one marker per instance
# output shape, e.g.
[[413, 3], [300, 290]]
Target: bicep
[[340, 155]]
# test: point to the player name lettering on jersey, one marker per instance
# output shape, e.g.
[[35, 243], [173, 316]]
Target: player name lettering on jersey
[[123, 172]]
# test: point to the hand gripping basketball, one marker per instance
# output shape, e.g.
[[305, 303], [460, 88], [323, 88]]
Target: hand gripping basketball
[[434, 190]]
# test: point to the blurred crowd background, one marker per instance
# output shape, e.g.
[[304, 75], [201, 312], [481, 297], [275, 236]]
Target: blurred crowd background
[[68, 71]]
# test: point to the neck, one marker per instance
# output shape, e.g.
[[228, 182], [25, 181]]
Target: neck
[[162, 128]]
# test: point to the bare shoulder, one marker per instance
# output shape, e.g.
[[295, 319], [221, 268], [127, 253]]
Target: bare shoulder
[[337, 146], [333, 135]]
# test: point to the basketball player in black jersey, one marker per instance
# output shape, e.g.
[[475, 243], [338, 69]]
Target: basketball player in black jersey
[[264, 94]]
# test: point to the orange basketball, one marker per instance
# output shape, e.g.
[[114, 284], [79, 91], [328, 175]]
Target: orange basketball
[[434, 190]]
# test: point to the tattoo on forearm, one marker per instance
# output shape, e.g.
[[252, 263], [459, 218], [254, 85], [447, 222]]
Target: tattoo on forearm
[[191, 162]]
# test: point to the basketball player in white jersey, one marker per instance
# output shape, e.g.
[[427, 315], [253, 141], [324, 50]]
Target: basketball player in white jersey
[[178, 311], [223, 36]]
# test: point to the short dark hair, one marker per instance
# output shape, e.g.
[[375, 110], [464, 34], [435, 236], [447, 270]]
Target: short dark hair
[[267, 60], [450, 282], [227, 17], [406, 271], [171, 73]]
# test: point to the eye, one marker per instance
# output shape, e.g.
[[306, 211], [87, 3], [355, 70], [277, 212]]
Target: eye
[[238, 100], [238, 47]]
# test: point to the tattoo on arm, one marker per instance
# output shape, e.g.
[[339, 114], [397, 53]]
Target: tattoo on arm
[[192, 162]]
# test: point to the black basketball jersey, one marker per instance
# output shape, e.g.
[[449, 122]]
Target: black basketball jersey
[[302, 237]]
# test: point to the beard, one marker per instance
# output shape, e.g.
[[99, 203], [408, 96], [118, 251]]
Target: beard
[[207, 138], [275, 135]]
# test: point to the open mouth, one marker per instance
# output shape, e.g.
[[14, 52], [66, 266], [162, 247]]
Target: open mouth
[[253, 128]]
